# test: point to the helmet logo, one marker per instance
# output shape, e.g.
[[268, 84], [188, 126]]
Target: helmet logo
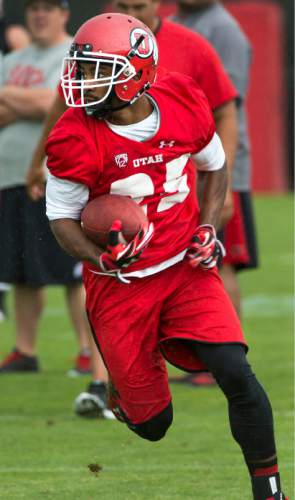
[[147, 46]]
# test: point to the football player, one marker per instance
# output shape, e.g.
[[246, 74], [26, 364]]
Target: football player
[[193, 56], [159, 296]]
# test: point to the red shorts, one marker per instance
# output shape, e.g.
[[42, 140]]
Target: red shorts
[[239, 236], [138, 325]]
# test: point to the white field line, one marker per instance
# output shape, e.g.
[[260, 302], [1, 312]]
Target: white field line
[[285, 259], [270, 306]]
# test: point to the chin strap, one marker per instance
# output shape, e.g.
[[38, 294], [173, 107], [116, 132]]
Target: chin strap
[[103, 110]]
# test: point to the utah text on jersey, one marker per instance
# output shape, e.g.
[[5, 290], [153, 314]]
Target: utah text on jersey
[[147, 160], [122, 160]]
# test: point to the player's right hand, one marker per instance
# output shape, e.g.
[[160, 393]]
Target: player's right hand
[[35, 183], [120, 254]]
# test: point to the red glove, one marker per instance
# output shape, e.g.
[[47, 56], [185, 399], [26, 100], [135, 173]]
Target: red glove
[[121, 254], [205, 249]]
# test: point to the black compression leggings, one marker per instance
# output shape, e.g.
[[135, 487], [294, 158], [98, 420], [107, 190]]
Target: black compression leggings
[[250, 413]]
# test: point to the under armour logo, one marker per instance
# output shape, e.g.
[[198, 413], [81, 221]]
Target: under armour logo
[[164, 144], [121, 160]]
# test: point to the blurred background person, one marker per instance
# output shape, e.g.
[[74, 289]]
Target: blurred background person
[[12, 37], [29, 255], [210, 19]]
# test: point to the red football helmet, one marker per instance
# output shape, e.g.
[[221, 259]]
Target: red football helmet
[[122, 42]]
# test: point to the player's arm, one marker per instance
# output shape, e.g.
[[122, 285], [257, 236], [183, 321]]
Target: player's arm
[[71, 238], [226, 122], [211, 164], [27, 103], [205, 248], [35, 178], [215, 187], [65, 201], [119, 255]]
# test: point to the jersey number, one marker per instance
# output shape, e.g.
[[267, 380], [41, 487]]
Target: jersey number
[[138, 186]]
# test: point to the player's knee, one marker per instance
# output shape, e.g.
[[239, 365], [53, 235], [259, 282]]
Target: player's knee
[[235, 378], [155, 428]]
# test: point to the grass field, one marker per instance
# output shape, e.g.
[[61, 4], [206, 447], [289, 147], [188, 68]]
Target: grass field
[[45, 449]]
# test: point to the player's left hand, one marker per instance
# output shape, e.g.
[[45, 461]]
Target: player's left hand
[[205, 248], [120, 254]]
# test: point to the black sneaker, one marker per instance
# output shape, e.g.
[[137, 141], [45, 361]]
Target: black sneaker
[[18, 362], [93, 402]]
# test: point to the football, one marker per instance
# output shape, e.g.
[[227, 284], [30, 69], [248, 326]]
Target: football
[[99, 214]]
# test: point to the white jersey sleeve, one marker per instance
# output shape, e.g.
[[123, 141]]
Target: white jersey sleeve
[[212, 157], [65, 199]]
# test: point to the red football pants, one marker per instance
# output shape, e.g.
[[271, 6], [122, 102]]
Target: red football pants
[[138, 324]]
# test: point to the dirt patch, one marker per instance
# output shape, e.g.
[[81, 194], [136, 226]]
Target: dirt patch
[[95, 468]]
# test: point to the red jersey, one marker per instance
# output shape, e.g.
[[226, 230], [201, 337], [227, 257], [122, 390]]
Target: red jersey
[[157, 173], [186, 52]]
